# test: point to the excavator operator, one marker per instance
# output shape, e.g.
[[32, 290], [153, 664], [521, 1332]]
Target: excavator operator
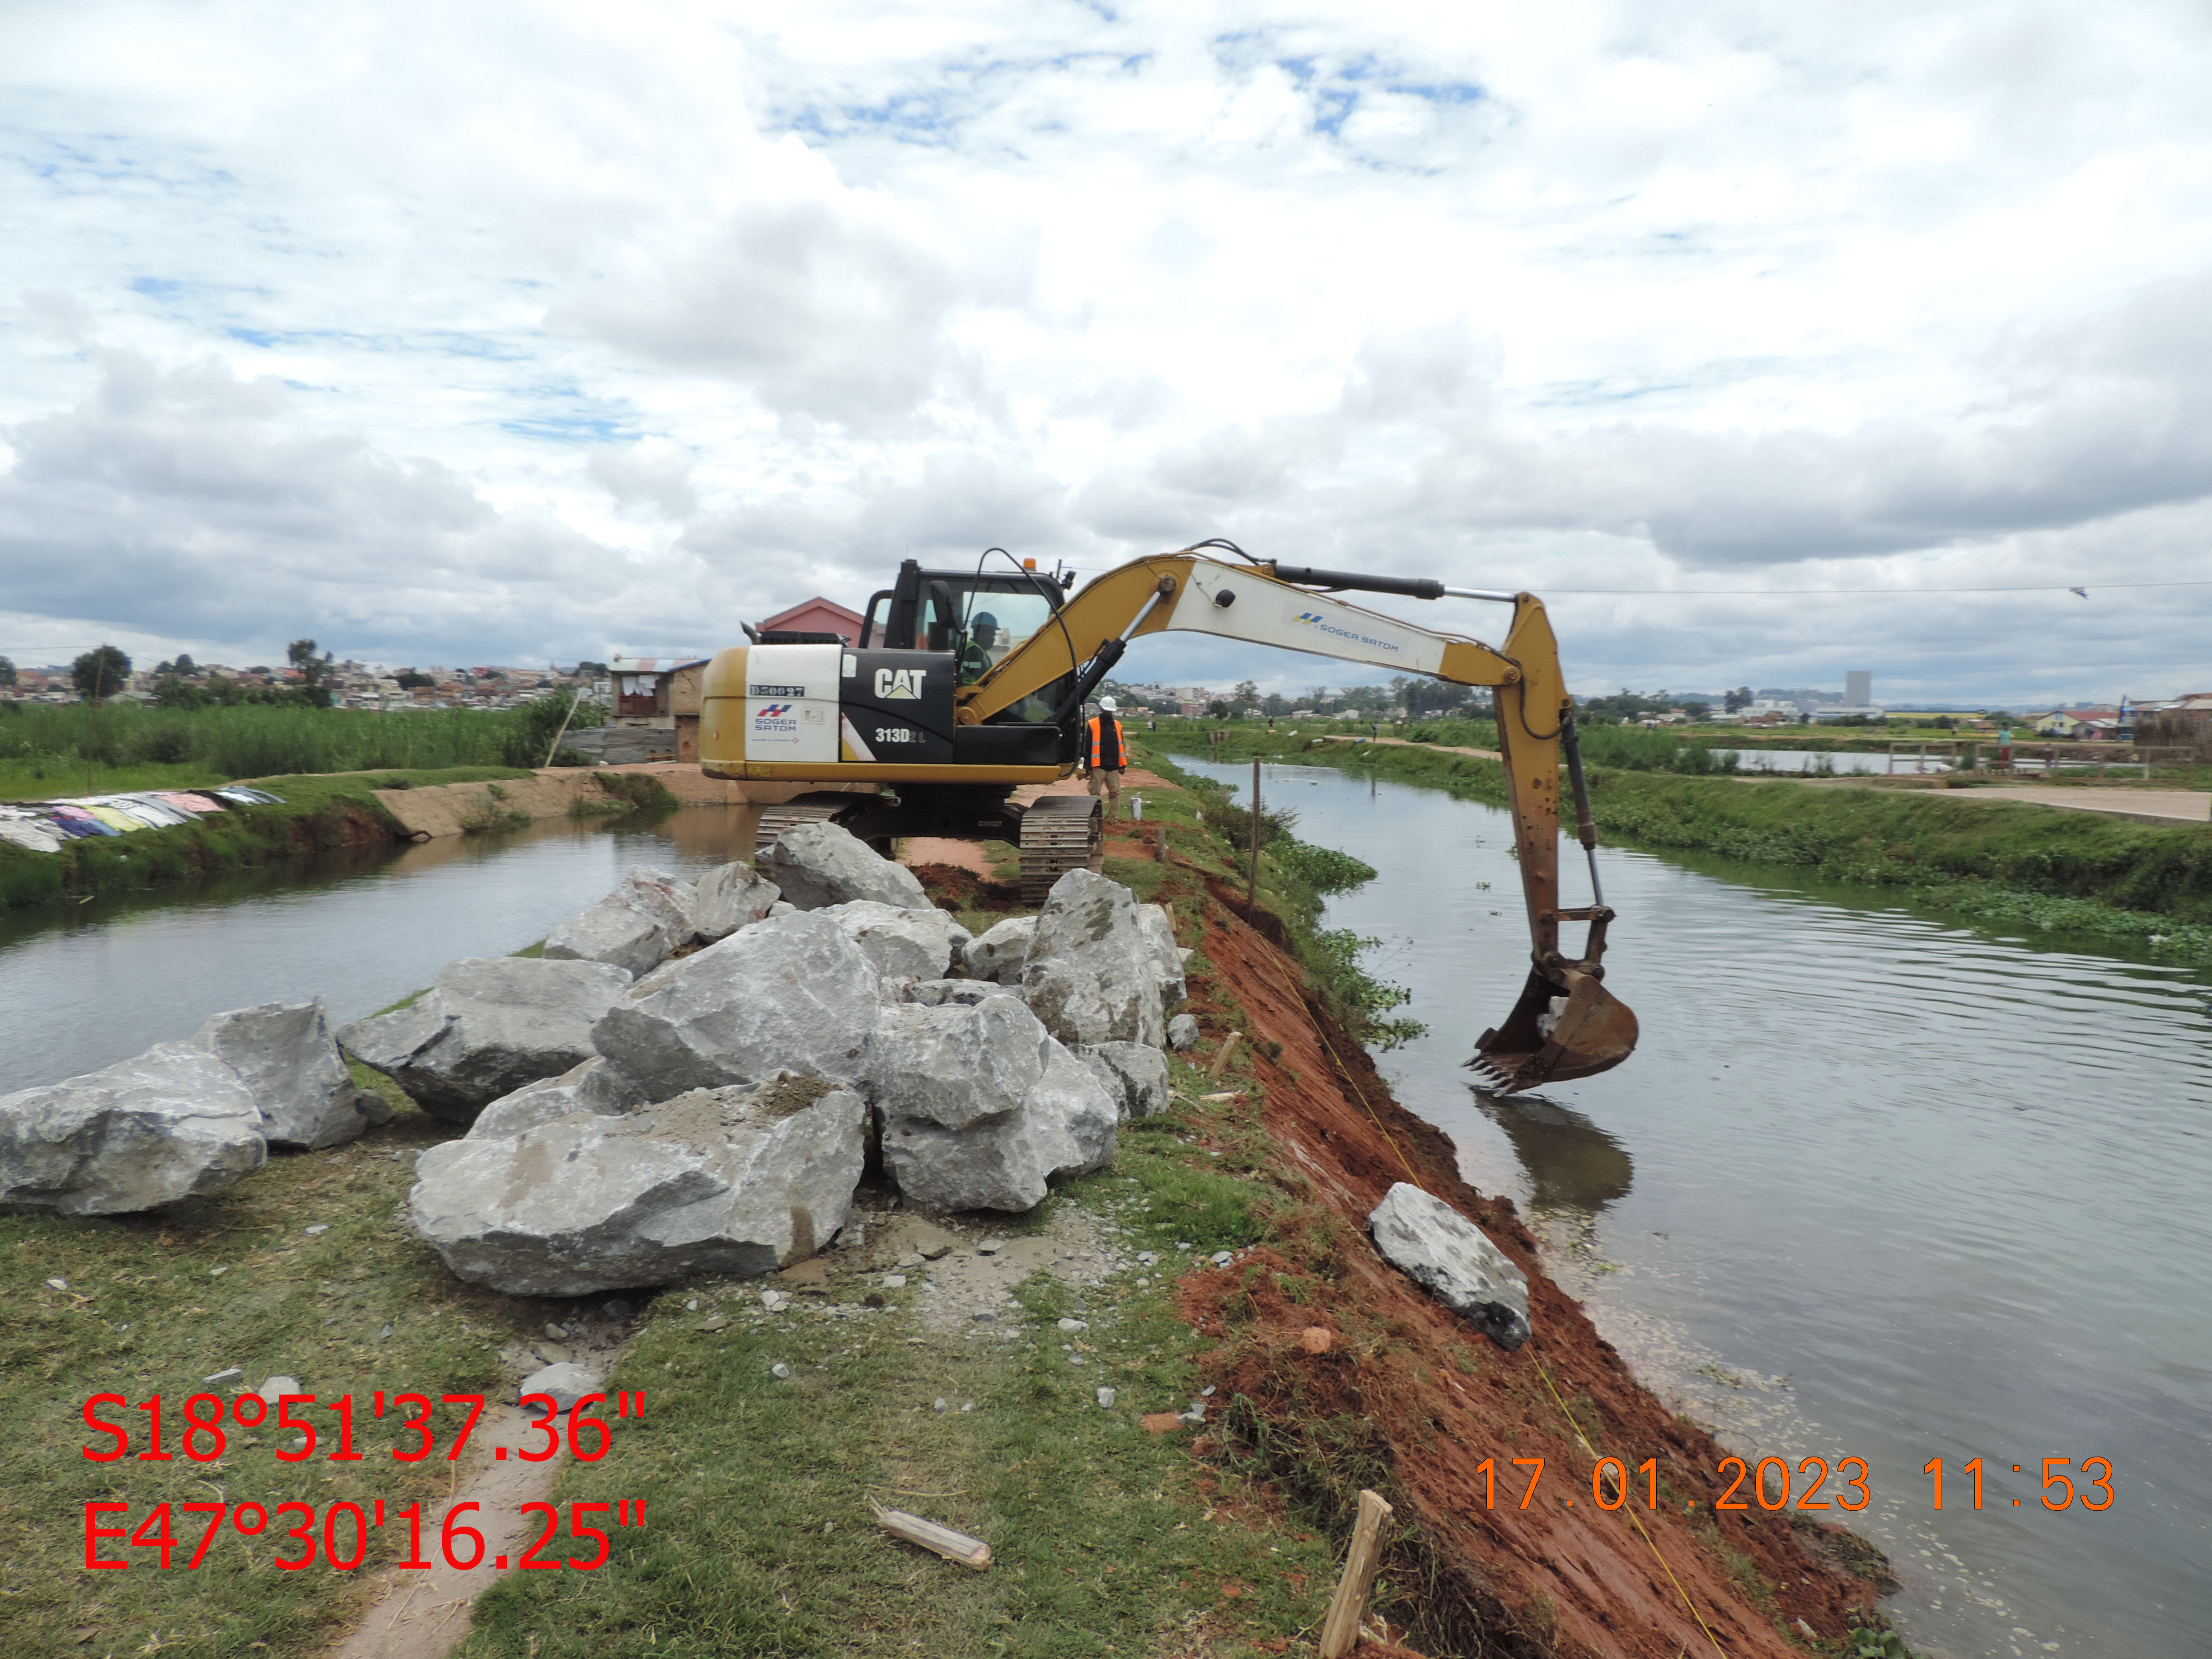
[[1103, 757], [976, 656]]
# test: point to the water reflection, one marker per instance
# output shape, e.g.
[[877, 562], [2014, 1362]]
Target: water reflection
[[1571, 1165]]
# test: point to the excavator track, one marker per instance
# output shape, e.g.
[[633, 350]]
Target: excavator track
[[775, 820], [1060, 833]]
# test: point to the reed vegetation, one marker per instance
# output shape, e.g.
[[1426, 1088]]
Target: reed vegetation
[[45, 748]]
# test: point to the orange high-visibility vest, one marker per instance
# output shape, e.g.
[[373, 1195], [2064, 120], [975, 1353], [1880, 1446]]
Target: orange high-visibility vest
[[1098, 749]]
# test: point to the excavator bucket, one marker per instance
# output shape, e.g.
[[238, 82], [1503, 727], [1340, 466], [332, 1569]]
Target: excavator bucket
[[1568, 1028]]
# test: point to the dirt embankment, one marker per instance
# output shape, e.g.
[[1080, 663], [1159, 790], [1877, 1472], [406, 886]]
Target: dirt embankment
[[1409, 1396]]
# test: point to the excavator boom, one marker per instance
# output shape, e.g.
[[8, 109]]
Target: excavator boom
[[1565, 1024]]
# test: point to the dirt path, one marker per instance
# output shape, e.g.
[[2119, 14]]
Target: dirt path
[[2144, 805], [424, 1615], [1407, 743]]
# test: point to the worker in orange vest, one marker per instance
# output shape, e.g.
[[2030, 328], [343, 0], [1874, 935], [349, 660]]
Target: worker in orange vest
[[1104, 758]]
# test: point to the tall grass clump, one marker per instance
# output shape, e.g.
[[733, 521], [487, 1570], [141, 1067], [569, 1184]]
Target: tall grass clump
[[1650, 749], [259, 741]]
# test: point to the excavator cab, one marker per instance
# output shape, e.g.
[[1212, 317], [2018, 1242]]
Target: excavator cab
[[979, 618]]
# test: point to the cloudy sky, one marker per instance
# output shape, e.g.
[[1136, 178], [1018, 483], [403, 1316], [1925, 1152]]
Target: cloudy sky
[[1756, 337]]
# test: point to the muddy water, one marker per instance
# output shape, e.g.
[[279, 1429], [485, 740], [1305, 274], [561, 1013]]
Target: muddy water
[[1873, 1186], [97, 982]]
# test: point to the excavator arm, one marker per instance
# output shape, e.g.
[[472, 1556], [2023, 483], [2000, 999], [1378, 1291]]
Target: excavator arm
[[1565, 1023]]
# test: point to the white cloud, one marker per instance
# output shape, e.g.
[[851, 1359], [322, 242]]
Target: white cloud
[[509, 331]]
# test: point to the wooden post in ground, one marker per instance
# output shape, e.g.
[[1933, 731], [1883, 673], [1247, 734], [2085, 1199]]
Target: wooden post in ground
[[1252, 879], [1160, 830], [1339, 1631], [1221, 1056]]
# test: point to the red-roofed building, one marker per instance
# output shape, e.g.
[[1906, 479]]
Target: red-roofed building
[[817, 616]]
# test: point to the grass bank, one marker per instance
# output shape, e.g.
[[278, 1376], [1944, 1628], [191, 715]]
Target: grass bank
[[48, 749], [317, 812], [2006, 863]]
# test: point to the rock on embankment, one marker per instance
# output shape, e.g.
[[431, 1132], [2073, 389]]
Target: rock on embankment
[[731, 1181], [183, 1119], [487, 1026], [1443, 1252]]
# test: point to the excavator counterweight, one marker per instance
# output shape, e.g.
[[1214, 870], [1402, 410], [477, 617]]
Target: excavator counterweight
[[964, 686]]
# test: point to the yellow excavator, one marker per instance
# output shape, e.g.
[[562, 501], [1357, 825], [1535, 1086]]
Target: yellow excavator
[[967, 684]]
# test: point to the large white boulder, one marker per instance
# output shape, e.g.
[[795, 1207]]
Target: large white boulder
[[999, 953], [904, 944], [284, 1053], [730, 1181], [792, 991], [982, 1109], [1447, 1255], [1064, 1127], [1134, 1075], [635, 928], [173, 1122], [817, 865], [1091, 975], [727, 897], [954, 1064], [487, 1026], [594, 1087]]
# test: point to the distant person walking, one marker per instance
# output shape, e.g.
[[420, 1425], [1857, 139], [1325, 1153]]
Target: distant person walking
[[1106, 757]]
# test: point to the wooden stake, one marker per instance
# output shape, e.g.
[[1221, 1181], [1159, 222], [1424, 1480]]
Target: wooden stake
[[952, 1546], [1252, 879], [1339, 1631], [1221, 1055]]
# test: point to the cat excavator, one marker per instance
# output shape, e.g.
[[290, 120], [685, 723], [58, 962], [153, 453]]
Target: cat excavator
[[966, 685]]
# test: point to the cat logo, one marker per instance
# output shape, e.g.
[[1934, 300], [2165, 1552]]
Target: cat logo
[[898, 682]]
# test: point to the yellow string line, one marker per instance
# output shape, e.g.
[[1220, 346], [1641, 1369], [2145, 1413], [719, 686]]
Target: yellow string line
[[1627, 1508]]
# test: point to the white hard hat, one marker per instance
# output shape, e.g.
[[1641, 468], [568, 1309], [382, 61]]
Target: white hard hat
[[1107, 703]]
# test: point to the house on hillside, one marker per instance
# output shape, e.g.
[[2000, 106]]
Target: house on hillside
[[816, 616]]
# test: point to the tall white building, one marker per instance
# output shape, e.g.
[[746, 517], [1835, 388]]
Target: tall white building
[[1858, 688]]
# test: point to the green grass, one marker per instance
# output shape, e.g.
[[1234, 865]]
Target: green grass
[[358, 1308], [44, 747], [1106, 1539]]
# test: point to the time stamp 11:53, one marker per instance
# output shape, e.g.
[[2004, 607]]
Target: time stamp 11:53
[[1774, 1485]]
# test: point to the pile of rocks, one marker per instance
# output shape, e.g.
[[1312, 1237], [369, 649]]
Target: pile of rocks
[[709, 1065], [715, 1111], [692, 1078], [184, 1119]]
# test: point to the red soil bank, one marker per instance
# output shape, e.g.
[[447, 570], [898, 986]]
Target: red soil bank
[[1408, 1391]]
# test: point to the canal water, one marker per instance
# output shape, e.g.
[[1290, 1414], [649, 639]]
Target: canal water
[[1873, 1186], [363, 927]]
